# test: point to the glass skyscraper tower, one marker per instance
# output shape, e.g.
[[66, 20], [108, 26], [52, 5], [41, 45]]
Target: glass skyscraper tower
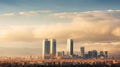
[[46, 48], [53, 47], [70, 46], [49, 48]]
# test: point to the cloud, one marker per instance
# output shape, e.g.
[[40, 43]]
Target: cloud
[[116, 32], [16, 33], [33, 13], [91, 25], [25, 13], [7, 15], [85, 26]]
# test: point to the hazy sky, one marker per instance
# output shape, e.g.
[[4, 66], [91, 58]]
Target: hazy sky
[[90, 23]]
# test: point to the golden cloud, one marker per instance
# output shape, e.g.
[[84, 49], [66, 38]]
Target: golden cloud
[[91, 26]]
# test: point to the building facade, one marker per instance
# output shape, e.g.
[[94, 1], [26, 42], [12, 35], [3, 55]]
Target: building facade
[[53, 47], [70, 46], [82, 50], [46, 48], [49, 48]]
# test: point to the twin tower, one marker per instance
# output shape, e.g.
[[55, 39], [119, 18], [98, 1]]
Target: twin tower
[[49, 48]]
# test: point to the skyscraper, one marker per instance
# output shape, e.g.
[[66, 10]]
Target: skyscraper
[[49, 48], [89, 54], [82, 50], [53, 47], [46, 48], [94, 54], [70, 46]]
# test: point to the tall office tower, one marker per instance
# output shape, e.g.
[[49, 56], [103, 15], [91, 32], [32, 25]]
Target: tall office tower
[[106, 54], [70, 46], [82, 50], [53, 47], [94, 54], [89, 54], [46, 48]]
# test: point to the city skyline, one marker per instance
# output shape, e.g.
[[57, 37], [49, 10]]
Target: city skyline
[[90, 23], [49, 51]]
